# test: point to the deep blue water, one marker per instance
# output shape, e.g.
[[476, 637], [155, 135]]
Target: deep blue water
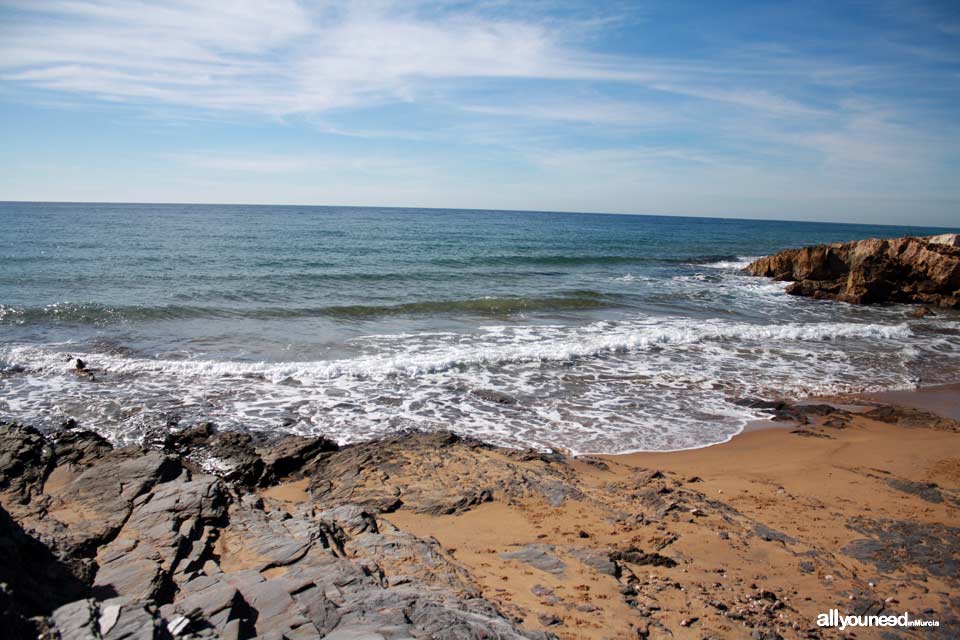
[[588, 332]]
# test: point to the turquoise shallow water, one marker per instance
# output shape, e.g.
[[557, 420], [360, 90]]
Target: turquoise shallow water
[[586, 332]]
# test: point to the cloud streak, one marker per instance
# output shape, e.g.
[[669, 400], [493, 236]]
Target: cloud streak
[[277, 57], [610, 103]]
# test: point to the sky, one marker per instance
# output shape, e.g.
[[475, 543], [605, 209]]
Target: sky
[[834, 110]]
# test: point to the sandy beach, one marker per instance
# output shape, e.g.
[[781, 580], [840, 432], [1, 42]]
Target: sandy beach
[[771, 524]]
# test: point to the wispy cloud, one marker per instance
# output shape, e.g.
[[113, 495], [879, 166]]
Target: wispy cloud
[[610, 100], [277, 57]]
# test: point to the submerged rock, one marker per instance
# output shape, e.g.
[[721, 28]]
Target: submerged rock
[[907, 270]]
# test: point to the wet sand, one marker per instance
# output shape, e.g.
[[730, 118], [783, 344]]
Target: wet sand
[[775, 526]]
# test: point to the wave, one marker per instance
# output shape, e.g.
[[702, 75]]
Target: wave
[[574, 261], [552, 345], [729, 262], [96, 314]]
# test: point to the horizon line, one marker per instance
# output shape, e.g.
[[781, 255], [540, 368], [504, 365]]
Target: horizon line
[[469, 209]]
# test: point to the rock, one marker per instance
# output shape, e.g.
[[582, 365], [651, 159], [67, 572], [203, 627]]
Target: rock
[[492, 395], [894, 545], [437, 473], [549, 619], [163, 536], [912, 418], [636, 556], [922, 312], [289, 455], [908, 270], [540, 556], [597, 560], [114, 619], [949, 239], [249, 459], [446, 506], [928, 491], [25, 458], [79, 448], [34, 580], [97, 502]]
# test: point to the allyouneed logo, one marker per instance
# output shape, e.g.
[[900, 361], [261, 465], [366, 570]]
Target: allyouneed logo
[[833, 619]]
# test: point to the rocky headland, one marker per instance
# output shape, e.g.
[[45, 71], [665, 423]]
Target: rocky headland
[[208, 534], [908, 270]]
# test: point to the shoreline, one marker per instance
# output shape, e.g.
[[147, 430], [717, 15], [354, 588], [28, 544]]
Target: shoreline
[[752, 537]]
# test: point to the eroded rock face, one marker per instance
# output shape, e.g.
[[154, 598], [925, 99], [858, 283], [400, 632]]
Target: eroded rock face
[[133, 543], [907, 270]]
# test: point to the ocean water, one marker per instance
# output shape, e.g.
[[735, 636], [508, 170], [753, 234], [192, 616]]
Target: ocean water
[[586, 333]]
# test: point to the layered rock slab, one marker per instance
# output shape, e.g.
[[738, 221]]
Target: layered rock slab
[[168, 551]]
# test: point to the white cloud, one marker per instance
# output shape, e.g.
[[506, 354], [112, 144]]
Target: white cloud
[[276, 57]]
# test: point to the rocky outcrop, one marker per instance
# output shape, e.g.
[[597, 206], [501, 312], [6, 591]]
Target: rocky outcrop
[[97, 542], [214, 534], [907, 270]]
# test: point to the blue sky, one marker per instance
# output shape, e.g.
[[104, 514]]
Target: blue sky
[[841, 111]]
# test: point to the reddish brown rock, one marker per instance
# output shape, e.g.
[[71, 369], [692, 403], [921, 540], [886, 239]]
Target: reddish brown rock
[[908, 270]]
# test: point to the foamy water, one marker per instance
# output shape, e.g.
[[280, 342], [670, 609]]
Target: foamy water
[[545, 345]]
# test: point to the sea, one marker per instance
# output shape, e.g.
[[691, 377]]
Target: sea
[[582, 333]]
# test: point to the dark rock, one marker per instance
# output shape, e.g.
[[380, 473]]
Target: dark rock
[[549, 619], [34, 580], [80, 448], [893, 545], [540, 556], [597, 560], [290, 454], [925, 490], [25, 458], [639, 557], [772, 535], [912, 418], [492, 395]]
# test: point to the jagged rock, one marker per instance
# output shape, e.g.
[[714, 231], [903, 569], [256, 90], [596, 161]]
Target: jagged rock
[[24, 461], [113, 619], [166, 534], [910, 270], [290, 454], [250, 459], [97, 502], [79, 448]]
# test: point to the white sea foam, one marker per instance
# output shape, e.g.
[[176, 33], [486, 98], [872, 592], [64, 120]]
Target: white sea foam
[[742, 262], [641, 384]]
